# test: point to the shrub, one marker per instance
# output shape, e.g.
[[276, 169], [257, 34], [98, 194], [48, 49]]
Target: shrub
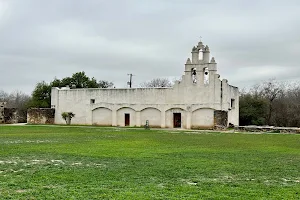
[[67, 116]]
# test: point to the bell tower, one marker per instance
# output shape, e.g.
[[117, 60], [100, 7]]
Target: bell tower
[[201, 69]]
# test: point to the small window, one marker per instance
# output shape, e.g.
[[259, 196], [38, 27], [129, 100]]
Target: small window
[[92, 101], [194, 75], [206, 76], [232, 104]]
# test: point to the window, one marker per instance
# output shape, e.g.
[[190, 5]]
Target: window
[[232, 104], [206, 76], [92, 101], [194, 75]]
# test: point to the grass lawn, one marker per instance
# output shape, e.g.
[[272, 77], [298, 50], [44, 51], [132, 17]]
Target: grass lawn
[[39, 162]]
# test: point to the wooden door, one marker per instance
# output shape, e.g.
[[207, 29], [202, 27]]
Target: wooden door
[[177, 120], [127, 119]]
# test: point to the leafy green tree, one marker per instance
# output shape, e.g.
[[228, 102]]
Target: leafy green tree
[[41, 95], [253, 110], [269, 90], [65, 81], [56, 83], [80, 80]]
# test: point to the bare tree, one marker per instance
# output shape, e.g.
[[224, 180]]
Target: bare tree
[[158, 82], [16, 99], [3, 95], [292, 105], [271, 90], [282, 103]]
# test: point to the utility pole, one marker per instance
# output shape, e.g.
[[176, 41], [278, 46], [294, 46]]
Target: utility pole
[[130, 80]]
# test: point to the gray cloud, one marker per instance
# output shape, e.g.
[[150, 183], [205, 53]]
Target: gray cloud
[[40, 40]]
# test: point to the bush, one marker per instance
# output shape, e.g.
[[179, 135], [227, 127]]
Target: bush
[[67, 116]]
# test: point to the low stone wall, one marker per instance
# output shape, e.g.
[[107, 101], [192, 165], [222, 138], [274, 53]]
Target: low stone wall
[[270, 129], [40, 116], [10, 115], [220, 119], [2, 106]]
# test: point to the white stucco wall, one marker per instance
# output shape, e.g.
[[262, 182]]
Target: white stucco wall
[[169, 120], [195, 101], [121, 116], [102, 116], [203, 118], [151, 114]]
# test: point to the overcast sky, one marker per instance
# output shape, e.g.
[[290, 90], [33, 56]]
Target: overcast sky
[[108, 39]]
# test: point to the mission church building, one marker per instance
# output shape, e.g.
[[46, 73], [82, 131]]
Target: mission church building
[[199, 100]]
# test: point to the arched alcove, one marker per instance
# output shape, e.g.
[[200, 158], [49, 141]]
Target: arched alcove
[[153, 115], [126, 117], [203, 118], [102, 116]]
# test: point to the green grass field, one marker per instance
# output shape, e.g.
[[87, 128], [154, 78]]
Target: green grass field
[[39, 162]]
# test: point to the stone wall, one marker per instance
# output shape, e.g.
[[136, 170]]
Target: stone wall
[[220, 119], [8, 115], [268, 129], [40, 116], [2, 106]]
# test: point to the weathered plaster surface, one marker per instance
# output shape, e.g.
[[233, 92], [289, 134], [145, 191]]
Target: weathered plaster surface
[[196, 97]]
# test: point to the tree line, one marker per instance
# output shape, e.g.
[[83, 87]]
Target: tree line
[[16, 99], [41, 95], [268, 103], [271, 103]]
